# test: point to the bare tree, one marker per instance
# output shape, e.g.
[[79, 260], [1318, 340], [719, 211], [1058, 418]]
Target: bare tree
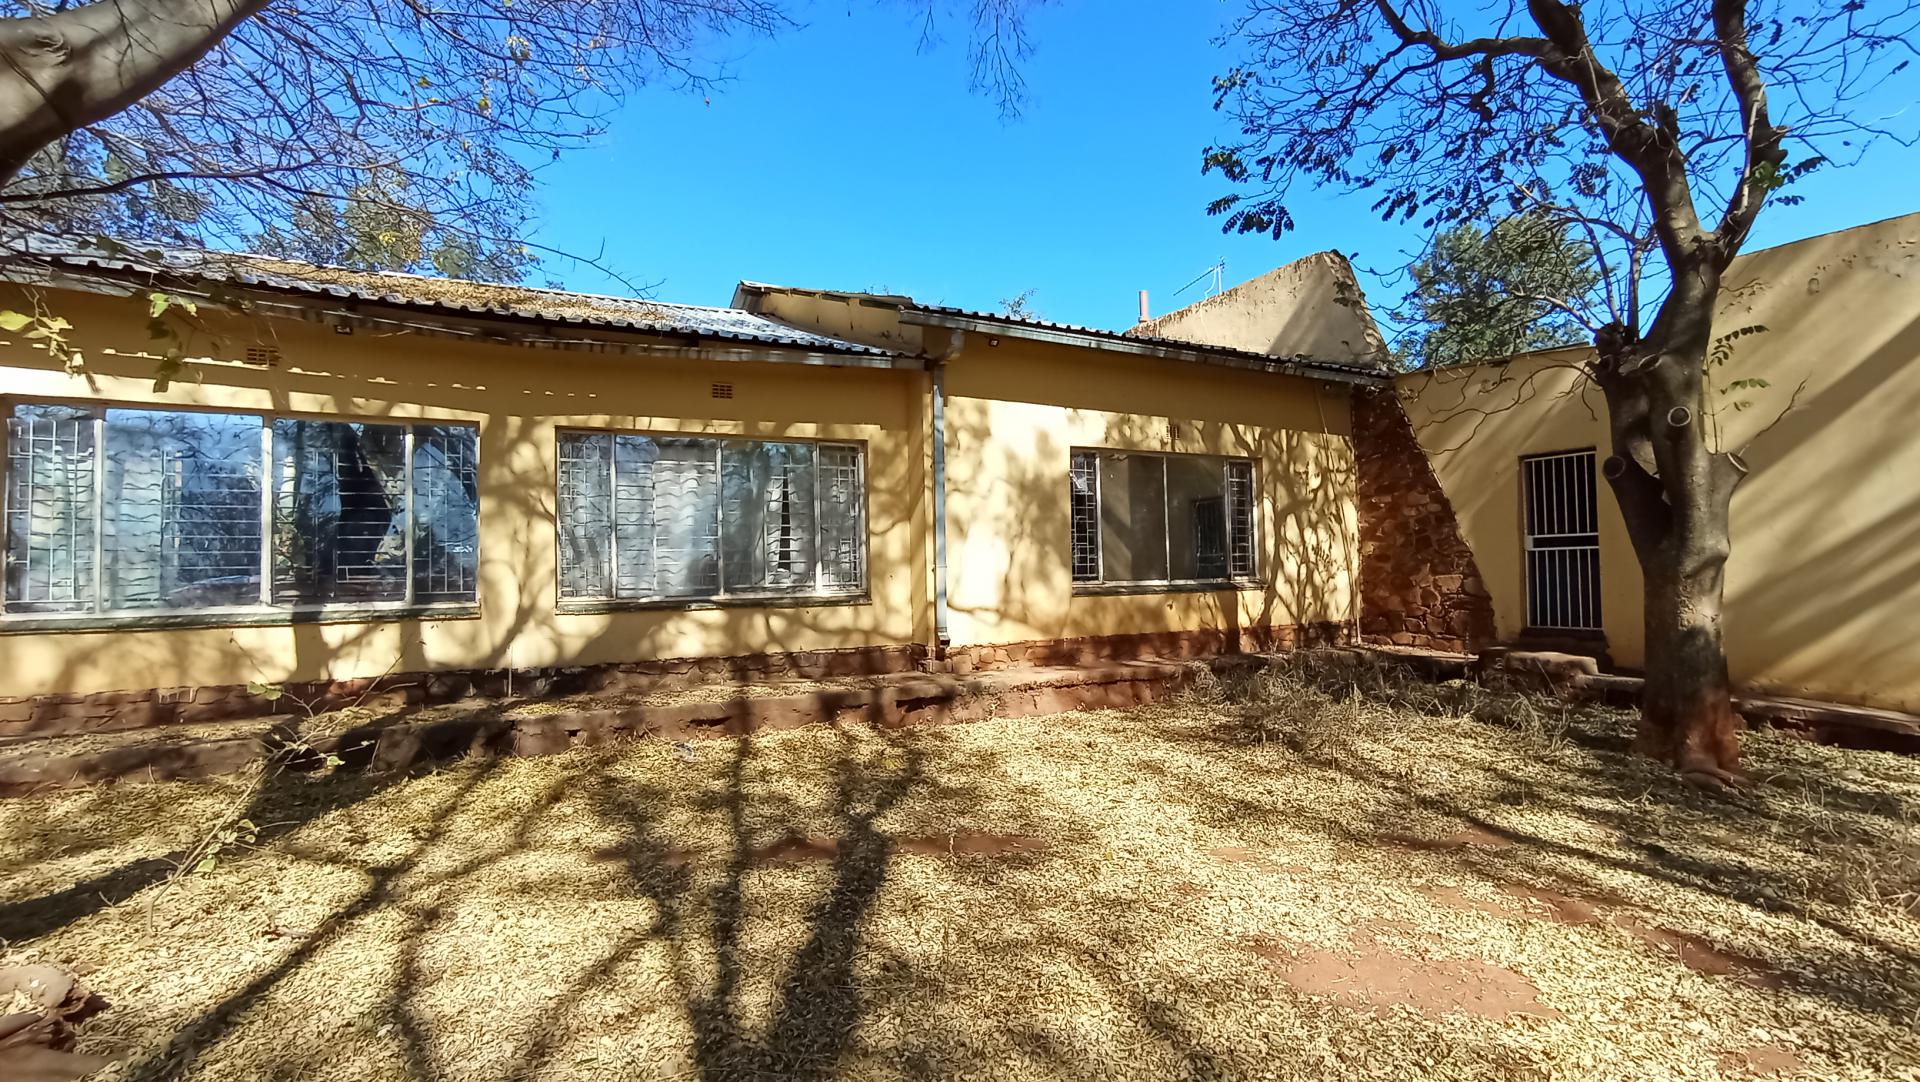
[[1621, 120], [423, 124]]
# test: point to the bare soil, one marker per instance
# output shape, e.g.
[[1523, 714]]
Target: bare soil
[[1287, 882]]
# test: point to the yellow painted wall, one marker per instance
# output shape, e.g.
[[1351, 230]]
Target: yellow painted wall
[[1017, 410], [1823, 588], [518, 397]]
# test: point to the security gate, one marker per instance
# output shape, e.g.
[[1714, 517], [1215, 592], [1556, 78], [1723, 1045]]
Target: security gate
[[1563, 541]]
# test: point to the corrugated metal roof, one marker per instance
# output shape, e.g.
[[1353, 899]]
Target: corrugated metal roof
[[439, 295], [1168, 343], [912, 311]]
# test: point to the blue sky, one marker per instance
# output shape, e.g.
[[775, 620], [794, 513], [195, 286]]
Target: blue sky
[[842, 156]]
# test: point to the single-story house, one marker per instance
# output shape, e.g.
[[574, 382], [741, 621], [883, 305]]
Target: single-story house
[[354, 475]]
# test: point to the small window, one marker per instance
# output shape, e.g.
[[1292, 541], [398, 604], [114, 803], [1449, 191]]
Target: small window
[[116, 511], [1140, 517], [645, 518], [1563, 541]]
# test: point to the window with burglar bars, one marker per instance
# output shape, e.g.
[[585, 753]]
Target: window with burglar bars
[[1140, 517], [1563, 541], [654, 518], [116, 511]]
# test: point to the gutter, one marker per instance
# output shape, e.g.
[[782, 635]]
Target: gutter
[[1326, 371], [937, 366]]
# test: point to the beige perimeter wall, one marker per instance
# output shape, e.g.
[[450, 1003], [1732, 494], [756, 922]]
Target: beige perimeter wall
[[1823, 589]]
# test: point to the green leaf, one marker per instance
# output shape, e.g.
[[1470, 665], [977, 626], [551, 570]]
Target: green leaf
[[13, 321], [207, 864], [158, 303]]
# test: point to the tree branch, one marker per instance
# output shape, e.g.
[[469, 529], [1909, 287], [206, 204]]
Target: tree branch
[[1651, 150], [1764, 150], [65, 71], [1477, 47]]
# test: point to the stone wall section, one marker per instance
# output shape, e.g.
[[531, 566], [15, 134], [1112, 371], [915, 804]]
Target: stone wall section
[[1419, 585]]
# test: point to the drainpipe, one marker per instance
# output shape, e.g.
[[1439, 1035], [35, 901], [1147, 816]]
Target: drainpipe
[[939, 368]]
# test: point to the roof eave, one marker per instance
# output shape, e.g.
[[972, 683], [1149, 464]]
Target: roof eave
[[1328, 371], [346, 304]]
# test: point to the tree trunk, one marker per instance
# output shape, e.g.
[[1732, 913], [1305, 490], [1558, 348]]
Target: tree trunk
[[1686, 709], [1675, 491]]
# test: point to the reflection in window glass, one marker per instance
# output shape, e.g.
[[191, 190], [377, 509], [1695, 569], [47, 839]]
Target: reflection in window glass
[[1240, 562], [1084, 508], [686, 518], [339, 512], [446, 513], [634, 539], [1144, 517], [769, 493], [122, 510], [1133, 517], [585, 515], [655, 518], [843, 519], [50, 509], [182, 509], [1197, 513]]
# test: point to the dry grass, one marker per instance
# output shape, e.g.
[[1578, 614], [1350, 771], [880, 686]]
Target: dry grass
[[1316, 873]]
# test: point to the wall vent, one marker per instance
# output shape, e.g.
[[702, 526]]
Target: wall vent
[[266, 355], [723, 390]]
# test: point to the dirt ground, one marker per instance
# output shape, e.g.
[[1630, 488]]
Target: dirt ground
[[1288, 881]]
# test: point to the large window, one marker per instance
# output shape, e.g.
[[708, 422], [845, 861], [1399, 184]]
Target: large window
[[1152, 518], [644, 518], [113, 511]]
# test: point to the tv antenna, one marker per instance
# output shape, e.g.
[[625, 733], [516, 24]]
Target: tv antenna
[[1214, 276]]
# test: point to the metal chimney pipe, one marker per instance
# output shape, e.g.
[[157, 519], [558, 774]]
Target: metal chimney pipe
[[1145, 312]]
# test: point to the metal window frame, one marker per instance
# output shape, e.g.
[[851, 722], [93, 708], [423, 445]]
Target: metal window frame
[[859, 449], [265, 610], [813, 590], [1099, 550], [1231, 581], [6, 508], [1549, 497], [1253, 517]]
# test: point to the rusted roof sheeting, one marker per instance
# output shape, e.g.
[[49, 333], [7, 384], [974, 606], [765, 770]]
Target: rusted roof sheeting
[[445, 296]]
